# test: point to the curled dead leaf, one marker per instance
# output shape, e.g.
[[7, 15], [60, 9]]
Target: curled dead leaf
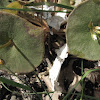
[[93, 76]]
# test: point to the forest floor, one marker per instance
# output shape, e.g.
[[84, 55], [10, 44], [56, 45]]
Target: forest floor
[[71, 72]]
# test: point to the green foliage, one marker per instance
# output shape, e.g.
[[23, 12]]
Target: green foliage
[[12, 83], [96, 1], [50, 4], [78, 32], [65, 2], [83, 76], [26, 48], [4, 3]]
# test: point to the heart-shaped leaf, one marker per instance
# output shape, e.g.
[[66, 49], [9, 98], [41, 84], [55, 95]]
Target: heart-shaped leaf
[[78, 34], [27, 42]]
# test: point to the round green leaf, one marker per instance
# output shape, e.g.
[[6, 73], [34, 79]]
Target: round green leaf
[[27, 39], [78, 34]]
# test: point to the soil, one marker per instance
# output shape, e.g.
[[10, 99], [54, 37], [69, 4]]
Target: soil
[[70, 68]]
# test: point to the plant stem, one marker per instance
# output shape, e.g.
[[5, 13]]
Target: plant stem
[[33, 68], [86, 73], [14, 92], [32, 10]]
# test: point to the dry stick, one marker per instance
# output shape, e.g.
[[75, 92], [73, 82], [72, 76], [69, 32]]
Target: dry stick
[[49, 63], [47, 82], [71, 98], [32, 67]]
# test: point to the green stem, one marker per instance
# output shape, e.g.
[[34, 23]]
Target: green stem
[[14, 92], [33, 68], [33, 10], [17, 77], [22, 82], [5, 87], [50, 4], [86, 73]]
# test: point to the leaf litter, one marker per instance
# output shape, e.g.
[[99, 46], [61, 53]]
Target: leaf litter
[[69, 66]]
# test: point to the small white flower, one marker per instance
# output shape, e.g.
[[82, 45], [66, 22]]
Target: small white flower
[[94, 36]]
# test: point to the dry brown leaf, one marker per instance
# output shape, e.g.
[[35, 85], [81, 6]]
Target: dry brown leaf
[[77, 78], [54, 96], [93, 76], [47, 81]]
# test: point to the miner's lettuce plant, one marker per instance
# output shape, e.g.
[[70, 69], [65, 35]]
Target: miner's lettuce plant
[[83, 30], [22, 43]]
